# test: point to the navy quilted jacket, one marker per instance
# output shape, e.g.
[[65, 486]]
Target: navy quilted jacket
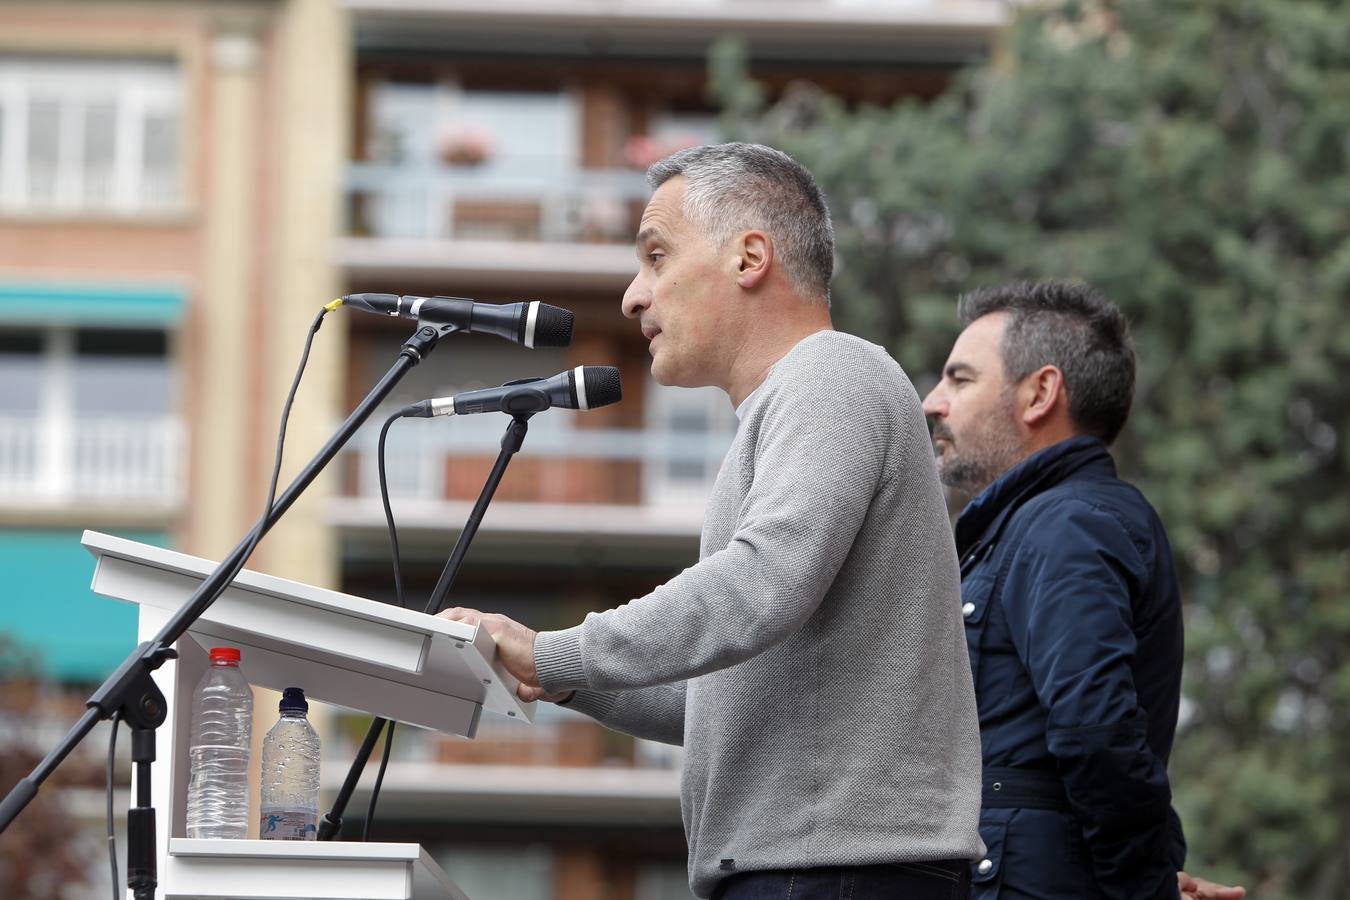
[[1073, 621]]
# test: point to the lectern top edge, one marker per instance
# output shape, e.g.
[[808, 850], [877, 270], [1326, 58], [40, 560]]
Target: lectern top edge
[[101, 544]]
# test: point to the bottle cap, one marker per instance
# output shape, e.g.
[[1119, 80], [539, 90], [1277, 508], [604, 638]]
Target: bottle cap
[[224, 654], [293, 700]]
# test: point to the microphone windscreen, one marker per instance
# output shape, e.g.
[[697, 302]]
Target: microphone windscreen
[[552, 326], [603, 385]]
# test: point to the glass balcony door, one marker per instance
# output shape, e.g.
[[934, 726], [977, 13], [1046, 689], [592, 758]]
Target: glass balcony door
[[86, 417]]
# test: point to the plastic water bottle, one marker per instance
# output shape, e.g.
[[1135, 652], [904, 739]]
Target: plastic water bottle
[[290, 774], [222, 719]]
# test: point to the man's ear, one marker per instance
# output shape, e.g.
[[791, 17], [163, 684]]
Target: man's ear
[[754, 258], [1042, 393]]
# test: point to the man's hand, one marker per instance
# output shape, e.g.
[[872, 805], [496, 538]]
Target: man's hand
[[1193, 888], [515, 648]]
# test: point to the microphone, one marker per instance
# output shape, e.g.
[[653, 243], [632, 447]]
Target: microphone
[[585, 387], [530, 323]]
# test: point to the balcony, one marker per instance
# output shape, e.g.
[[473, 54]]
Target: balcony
[[624, 484], [504, 220], [90, 462], [564, 769], [505, 200]]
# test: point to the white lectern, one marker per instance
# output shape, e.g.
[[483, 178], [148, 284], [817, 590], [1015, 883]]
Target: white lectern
[[402, 665]]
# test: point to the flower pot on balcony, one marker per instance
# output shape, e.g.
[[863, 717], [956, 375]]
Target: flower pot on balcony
[[641, 150], [466, 147]]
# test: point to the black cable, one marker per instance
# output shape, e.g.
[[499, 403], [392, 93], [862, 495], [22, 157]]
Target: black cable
[[398, 594], [257, 533], [388, 511], [112, 833], [379, 780]]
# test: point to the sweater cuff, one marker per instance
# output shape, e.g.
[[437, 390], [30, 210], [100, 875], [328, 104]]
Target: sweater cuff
[[596, 704], [557, 660]]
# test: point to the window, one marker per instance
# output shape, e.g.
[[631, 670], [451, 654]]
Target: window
[[81, 136], [121, 374], [470, 164], [688, 432], [90, 416], [416, 450], [21, 374], [522, 133]]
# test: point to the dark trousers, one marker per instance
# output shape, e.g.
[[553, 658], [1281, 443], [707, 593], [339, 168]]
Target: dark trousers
[[940, 880]]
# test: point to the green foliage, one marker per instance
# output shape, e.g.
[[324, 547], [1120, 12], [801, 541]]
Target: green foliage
[[1189, 157]]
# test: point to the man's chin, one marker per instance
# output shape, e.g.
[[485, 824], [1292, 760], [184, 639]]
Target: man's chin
[[668, 376], [952, 474]]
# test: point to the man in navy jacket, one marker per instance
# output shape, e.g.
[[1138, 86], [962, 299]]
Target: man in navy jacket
[[1070, 599]]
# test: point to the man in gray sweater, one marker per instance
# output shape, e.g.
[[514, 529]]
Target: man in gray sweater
[[812, 663]]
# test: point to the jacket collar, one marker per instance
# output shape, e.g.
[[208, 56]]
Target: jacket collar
[[1041, 470]]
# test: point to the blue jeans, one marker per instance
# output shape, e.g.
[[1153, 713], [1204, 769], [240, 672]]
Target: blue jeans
[[940, 880]]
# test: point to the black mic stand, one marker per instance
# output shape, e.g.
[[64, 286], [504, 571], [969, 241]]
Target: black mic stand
[[131, 692], [331, 824]]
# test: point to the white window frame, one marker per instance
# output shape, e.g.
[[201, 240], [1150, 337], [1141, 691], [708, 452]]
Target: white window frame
[[120, 474], [423, 204], [138, 90]]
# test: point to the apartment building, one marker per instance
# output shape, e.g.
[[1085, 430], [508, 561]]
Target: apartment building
[[183, 184], [168, 197]]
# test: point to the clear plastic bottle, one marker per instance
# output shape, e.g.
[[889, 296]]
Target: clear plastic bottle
[[222, 720], [290, 774]]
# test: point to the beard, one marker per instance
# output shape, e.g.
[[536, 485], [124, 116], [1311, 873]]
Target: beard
[[990, 447]]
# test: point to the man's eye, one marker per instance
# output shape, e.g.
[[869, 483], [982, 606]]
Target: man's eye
[[656, 257]]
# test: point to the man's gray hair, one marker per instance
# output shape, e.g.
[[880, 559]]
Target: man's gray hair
[[1074, 328], [737, 187]]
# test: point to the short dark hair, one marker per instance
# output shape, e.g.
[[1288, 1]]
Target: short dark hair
[[1074, 328], [736, 187]]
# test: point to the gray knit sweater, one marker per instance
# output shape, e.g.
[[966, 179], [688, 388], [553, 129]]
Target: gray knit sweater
[[813, 662]]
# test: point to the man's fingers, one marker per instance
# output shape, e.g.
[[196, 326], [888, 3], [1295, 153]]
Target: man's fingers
[[461, 614], [529, 694], [495, 624], [1193, 888]]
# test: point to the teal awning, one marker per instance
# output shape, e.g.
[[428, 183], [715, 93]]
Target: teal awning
[[47, 608], [43, 303]]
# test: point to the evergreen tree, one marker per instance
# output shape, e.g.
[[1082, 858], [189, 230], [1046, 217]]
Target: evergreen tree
[[1189, 157]]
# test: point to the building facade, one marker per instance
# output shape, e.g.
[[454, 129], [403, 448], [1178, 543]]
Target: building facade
[[183, 185], [169, 192]]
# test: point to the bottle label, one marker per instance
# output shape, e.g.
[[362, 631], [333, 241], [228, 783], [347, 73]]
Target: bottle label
[[288, 825]]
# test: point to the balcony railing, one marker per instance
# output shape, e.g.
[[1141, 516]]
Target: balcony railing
[[558, 738], [497, 201], [102, 461], [560, 463]]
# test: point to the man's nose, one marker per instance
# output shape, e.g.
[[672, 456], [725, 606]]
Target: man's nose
[[934, 404], [635, 299]]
